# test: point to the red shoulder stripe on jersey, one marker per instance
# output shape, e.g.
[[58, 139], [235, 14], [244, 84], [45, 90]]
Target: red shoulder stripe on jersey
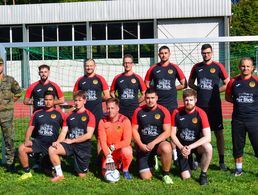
[[167, 119], [134, 118], [58, 89], [203, 115], [66, 117], [32, 117], [30, 89], [179, 71], [75, 88], [222, 68], [103, 81], [255, 78], [193, 69], [147, 76], [173, 117], [229, 85], [142, 84], [112, 88], [92, 120]]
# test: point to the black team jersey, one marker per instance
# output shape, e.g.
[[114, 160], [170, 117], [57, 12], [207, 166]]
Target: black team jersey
[[189, 125], [150, 122], [37, 91], [245, 98], [77, 124], [47, 124], [94, 87], [127, 88], [208, 78], [164, 82]]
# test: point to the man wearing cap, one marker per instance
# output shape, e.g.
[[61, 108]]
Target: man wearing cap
[[10, 92]]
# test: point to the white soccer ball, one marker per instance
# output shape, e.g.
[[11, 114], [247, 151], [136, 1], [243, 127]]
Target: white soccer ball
[[112, 176]]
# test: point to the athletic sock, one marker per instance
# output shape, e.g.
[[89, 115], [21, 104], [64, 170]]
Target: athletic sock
[[174, 154], [239, 166], [26, 169], [221, 158], [58, 170]]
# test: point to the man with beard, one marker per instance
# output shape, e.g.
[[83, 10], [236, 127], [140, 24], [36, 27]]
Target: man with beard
[[209, 75], [191, 133]]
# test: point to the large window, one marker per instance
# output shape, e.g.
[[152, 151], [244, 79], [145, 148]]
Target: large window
[[35, 33], [130, 31], [50, 33], [99, 33], [5, 34], [147, 32], [16, 34]]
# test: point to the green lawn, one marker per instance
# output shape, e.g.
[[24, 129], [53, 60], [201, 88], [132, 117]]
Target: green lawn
[[219, 182]]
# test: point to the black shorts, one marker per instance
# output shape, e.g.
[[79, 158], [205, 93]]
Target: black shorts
[[40, 147], [186, 164], [215, 117], [146, 160], [239, 130], [81, 154]]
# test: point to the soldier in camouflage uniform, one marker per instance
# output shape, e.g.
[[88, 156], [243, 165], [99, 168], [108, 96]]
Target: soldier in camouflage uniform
[[10, 91]]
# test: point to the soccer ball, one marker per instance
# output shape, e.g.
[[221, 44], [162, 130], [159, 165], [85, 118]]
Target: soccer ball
[[112, 176]]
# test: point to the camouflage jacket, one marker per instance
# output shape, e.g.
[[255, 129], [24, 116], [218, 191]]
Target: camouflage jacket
[[9, 88]]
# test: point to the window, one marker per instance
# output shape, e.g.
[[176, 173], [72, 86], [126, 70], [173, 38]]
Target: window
[[114, 31], [16, 34], [35, 34], [65, 32], [146, 32], [99, 33], [80, 32], [130, 31], [50, 33], [5, 34]]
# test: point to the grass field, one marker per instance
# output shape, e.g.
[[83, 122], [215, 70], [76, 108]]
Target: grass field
[[219, 182]]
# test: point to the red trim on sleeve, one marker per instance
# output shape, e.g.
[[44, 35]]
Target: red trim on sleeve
[[66, 117], [113, 85], [193, 69], [58, 89], [142, 84], [134, 118], [30, 89], [204, 118], [173, 117], [229, 86], [167, 119], [222, 68], [75, 88], [32, 117], [255, 78], [92, 120], [179, 71], [103, 81], [147, 76]]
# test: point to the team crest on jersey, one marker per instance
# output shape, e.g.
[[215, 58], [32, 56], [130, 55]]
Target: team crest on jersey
[[118, 128], [53, 116], [212, 70], [194, 120], [252, 84], [170, 71], [50, 89], [157, 116], [84, 118], [95, 82], [133, 81]]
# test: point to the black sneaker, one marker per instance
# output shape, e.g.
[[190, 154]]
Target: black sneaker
[[237, 172], [11, 168], [203, 179], [223, 167]]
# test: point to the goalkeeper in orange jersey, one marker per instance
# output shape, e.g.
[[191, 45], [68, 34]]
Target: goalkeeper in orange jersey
[[115, 135]]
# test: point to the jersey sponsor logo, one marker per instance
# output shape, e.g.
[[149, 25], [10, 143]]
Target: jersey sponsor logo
[[252, 84], [41, 102], [246, 98], [157, 116], [75, 132], [46, 130], [83, 118], [212, 70], [206, 84], [91, 95], [127, 94], [50, 89], [170, 71], [164, 84], [133, 81], [95, 81], [122, 81], [150, 131], [187, 135], [53, 116], [194, 120]]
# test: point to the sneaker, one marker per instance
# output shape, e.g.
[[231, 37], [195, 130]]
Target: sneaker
[[195, 165], [156, 165], [127, 175], [238, 172], [223, 167], [57, 178], [203, 179], [25, 176], [167, 179]]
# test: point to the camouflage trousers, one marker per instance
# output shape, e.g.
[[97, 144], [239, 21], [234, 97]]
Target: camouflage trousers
[[6, 124]]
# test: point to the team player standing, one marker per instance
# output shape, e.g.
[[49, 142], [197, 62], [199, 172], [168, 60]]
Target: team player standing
[[153, 123]]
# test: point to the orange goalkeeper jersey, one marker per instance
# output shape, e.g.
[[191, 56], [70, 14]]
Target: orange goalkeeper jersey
[[118, 133]]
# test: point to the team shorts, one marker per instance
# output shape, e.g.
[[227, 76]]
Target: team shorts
[[186, 164], [214, 115], [239, 130], [81, 154], [39, 147], [146, 160]]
